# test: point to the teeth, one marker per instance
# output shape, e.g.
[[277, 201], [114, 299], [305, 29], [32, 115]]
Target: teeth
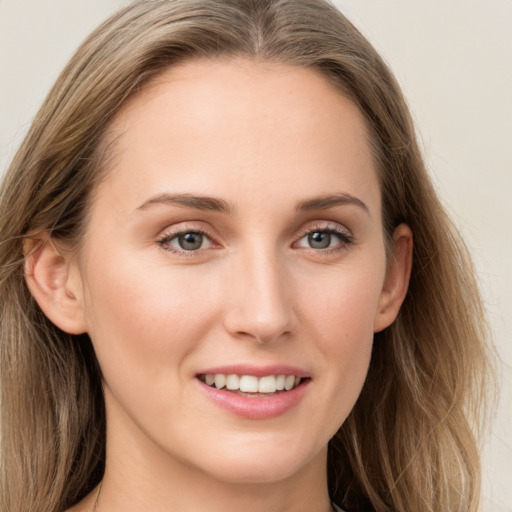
[[267, 384], [233, 382], [219, 380], [289, 382], [252, 384], [249, 384]]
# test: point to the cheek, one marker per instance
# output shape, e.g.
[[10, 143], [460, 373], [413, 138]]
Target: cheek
[[341, 314], [144, 317], [343, 303]]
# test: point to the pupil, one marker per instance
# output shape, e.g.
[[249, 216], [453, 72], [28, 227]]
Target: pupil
[[191, 241], [319, 240]]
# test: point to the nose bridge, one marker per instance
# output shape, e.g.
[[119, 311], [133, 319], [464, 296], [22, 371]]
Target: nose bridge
[[261, 307]]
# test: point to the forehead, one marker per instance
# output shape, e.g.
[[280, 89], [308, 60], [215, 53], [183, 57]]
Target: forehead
[[204, 123]]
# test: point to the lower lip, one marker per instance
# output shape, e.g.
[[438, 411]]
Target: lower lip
[[258, 407]]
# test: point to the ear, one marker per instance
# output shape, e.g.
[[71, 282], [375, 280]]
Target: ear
[[397, 278], [54, 280]]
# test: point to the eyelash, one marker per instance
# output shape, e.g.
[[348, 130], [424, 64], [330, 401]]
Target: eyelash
[[345, 239], [165, 240]]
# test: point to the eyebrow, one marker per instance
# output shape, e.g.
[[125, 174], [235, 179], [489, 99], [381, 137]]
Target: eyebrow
[[330, 201], [214, 204], [190, 201]]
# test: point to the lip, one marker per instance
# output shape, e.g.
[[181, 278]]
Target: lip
[[256, 408], [257, 371]]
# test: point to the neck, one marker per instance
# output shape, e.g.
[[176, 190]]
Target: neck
[[140, 475], [212, 497], [129, 488]]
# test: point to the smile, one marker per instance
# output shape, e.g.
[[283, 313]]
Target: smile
[[265, 385]]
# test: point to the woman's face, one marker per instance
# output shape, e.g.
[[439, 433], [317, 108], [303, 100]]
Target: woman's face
[[238, 233]]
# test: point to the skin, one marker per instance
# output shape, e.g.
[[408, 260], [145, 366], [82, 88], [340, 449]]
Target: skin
[[262, 138]]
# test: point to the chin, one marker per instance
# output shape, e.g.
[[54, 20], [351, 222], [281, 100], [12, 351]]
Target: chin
[[255, 471], [257, 464]]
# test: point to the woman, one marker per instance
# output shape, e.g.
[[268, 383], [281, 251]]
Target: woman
[[209, 283]]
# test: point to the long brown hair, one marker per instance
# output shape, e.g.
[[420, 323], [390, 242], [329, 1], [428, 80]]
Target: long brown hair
[[408, 444]]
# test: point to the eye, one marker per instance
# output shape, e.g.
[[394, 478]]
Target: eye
[[319, 240], [186, 241], [325, 238]]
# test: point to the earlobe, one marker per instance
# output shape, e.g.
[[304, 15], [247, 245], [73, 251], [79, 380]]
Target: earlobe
[[397, 278], [54, 281]]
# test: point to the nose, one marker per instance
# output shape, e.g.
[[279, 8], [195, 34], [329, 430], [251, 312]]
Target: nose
[[260, 306]]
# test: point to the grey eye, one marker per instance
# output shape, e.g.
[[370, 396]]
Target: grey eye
[[328, 238], [186, 242], [319, 240], [189, 241]]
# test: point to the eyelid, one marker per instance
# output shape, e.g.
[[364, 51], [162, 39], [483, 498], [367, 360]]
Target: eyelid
[[182, 228], [346, 236], [324, 225]]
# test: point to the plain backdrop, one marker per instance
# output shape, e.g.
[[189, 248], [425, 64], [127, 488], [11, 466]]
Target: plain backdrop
[[454, 62]]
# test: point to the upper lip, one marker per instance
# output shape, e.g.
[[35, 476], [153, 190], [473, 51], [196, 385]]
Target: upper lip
[[256, 371]]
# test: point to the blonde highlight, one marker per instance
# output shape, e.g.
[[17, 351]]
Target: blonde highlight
[[409, 443]]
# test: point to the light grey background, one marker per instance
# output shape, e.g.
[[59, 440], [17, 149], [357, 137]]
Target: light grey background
[[454, 62]]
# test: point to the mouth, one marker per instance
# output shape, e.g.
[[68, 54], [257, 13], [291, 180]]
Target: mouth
[[255, 392], [251, 385]]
